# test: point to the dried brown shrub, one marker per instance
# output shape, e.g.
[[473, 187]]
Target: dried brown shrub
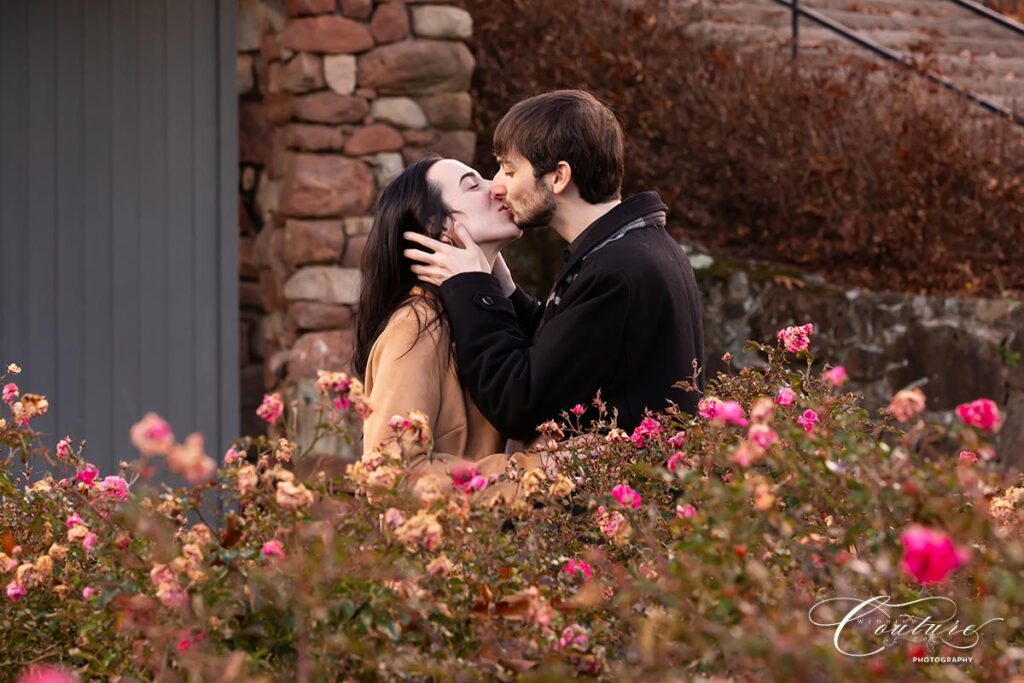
[[869, 181]]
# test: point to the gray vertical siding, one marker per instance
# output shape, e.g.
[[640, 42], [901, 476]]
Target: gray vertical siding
[[118, 262]]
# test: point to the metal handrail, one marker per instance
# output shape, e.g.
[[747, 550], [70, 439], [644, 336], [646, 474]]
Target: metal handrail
[[992, 15], [891, 55]]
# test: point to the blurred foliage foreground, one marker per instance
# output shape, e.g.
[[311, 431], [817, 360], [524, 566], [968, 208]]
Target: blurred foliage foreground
[[781, 534]]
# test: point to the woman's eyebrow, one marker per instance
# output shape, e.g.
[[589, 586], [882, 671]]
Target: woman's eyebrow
[[471, 174]]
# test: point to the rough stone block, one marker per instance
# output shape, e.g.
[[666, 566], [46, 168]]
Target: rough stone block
[[448, 111], [417, 67], [312, 242], [327, 185], [340, 72], [326, 284], [399, 111], [329, 107], [330, 34], [377, 137], [438, 21], [390, 23]]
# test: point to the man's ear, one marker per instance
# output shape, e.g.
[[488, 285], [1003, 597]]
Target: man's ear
[[562, 177]]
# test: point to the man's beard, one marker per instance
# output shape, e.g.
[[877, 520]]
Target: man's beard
[[539, 211]]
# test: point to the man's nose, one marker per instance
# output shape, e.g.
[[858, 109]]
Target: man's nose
[[498, 185]]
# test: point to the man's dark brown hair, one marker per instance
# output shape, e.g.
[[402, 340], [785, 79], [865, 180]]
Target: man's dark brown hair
[[571, 126]]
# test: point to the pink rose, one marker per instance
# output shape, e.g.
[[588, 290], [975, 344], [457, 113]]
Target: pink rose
[[578, 409], [114, 487], [465, 479], [837, 376], [677, 440], [87, 474], [15, 591], [722, 412], [578, 569], [796, 338], [808, 420], [10, 392], [88, 592], [786, 397], [231, 456], [626, 496], [74, 520], [394, 517], [574, 637], [90, 541], [929, 555], [674, 460], [46, 674], [151, 435], [271, 408], [968, 458], [906, 404], [273, 548], [982, 413], [763, 436], [647, 430], [686, 511]]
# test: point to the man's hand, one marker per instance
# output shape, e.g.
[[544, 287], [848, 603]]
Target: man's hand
[[446, 260]]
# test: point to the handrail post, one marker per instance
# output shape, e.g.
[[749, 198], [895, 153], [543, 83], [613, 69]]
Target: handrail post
[[795, 24]]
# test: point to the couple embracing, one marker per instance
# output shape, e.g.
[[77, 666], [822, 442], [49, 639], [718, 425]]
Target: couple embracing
[[444, 330]]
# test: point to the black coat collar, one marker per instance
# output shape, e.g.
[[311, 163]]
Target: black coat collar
[[628, 210]]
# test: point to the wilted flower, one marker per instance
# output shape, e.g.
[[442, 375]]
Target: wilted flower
[[190, 459], [422, 530], [30, 406], [271, 408], [578, 569], [562, 486], [284, 450], [273, 548], [617, 435], [626, 496], [610, 523], [393, 517], [152, 435], [15, 591], [646, 431], [14, 369], [762, 411], [9, 392], [796, 338], [231, 456], [533, 481], [837, 375], [293, 496], [248, 480], [427, 489], [674, 460], [785, 397], [981, 413], [64, 447], [929, 555], [440, 566], [807, 420], [906, 404], [345, 392]]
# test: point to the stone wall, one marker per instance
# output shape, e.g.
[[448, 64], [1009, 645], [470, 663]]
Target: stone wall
[[337, 97], [962, 348]]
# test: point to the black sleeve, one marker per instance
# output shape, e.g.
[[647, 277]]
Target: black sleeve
[[517, 385], [528, 310]]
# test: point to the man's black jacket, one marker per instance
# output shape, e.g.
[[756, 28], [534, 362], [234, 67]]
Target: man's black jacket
[[623, 317]]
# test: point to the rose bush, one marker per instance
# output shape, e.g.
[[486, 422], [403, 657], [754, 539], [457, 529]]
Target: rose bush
[[693, 547]]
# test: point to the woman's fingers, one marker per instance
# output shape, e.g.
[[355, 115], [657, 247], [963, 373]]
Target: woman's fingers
[[429, 274]]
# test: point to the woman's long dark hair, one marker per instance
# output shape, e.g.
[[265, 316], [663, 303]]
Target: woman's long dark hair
[[408, 203]]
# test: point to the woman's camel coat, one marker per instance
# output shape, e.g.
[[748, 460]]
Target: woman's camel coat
[[411, 368]]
